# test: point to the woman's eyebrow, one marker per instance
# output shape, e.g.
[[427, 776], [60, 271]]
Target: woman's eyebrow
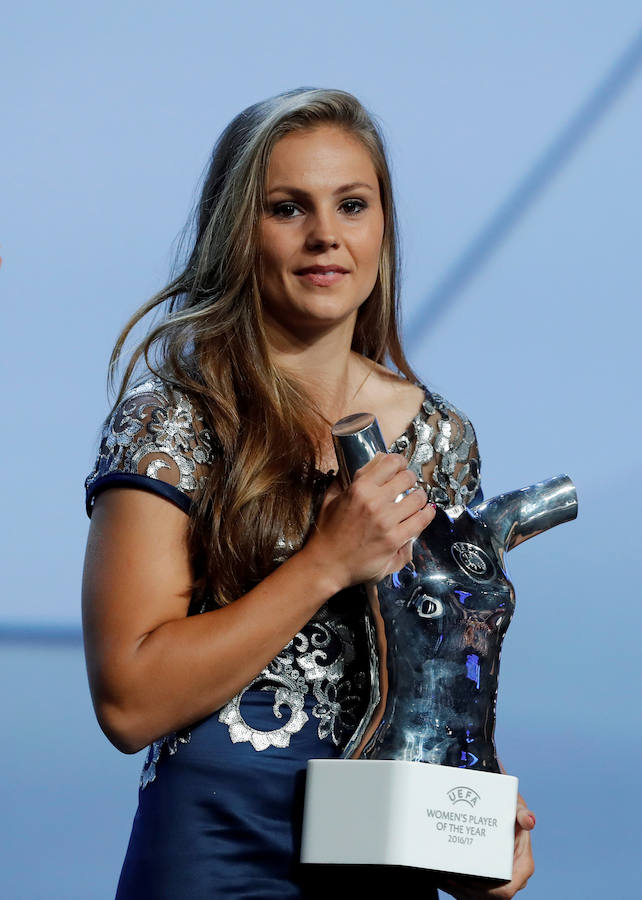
[[300, 192]]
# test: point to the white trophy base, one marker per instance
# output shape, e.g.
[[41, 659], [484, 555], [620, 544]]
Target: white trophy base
[[390, 812]]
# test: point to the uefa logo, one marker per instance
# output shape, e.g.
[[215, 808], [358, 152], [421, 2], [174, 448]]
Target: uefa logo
[[473, 561], [463, 795]]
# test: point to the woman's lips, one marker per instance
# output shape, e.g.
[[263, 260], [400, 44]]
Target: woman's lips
[[322, 275], [323, 279]]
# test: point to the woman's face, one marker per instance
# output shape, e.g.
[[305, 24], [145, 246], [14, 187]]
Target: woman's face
[[321, 232]]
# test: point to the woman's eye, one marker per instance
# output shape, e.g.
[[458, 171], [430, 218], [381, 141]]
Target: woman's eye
[[286, 210], [352, 207]]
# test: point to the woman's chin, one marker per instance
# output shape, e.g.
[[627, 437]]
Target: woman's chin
[[312, 318]]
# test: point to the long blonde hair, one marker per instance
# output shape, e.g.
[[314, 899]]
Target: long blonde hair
[[211, 343]]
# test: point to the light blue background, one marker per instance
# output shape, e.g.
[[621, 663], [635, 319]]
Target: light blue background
[[516, 139]]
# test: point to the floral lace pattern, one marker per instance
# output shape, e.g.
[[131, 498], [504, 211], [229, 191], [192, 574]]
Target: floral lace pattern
[[152, 429], [323, 661], [332, 661]]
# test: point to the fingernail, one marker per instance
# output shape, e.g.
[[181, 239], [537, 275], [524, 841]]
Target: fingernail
[[434, 505], [532, 818]]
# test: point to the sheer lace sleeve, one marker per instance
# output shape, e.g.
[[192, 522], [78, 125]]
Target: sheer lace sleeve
[[441, 446], [154, 440]]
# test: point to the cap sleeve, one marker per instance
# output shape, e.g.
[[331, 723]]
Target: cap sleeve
[[441, 446], [153, 440], [454, 472]]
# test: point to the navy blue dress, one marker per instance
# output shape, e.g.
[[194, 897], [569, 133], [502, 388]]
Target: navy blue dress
[[220, 803]]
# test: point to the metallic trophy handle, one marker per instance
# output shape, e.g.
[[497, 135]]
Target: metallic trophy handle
[[357, 439], [516, 516]]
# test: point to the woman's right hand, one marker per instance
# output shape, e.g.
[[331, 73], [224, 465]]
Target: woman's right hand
[[361, 534]]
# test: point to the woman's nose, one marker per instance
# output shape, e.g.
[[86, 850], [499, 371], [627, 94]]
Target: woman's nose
[[323, 232]]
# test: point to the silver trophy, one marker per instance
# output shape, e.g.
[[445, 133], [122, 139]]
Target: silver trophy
[[440, 622]]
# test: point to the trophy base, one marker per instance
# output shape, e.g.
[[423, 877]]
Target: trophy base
[[391, 812]]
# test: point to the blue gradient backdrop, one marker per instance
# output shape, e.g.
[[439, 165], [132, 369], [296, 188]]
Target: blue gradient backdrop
[[516, 138]]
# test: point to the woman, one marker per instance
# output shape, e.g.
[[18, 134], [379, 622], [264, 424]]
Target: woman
[[223, 622]]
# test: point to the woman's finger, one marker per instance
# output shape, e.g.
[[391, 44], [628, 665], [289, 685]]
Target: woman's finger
[[382, 467], [417, 518], [400, 483], [413, 502], [525, 818]]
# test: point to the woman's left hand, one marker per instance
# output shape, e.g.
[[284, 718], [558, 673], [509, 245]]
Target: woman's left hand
[[466, 888]]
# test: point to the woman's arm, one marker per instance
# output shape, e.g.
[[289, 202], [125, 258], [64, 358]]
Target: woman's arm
[[152, 669]]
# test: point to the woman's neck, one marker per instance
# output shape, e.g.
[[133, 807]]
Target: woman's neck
[[331, 373]]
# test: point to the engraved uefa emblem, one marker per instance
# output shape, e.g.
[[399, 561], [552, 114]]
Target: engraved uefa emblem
[[463, 794], [473, 560]]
